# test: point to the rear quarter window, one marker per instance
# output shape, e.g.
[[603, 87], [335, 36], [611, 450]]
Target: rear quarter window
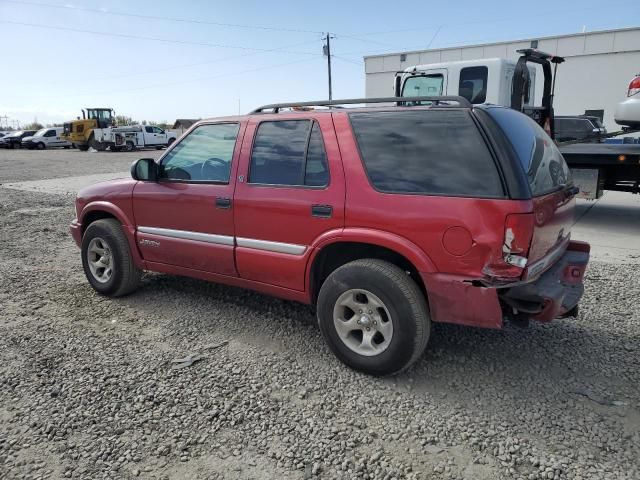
[[430, 152], [537, 153]]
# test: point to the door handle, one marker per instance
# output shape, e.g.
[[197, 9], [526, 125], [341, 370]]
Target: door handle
[[321, 211], [223, 202]]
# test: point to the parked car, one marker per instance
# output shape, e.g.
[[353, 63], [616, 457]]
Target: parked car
[[587, 129], [46, 138], [14, 140], [628, 111], [386, 219]]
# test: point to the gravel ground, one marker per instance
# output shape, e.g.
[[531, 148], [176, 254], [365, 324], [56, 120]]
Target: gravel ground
[[87, 387]]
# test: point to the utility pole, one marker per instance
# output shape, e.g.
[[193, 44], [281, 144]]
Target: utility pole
[[327, 51]]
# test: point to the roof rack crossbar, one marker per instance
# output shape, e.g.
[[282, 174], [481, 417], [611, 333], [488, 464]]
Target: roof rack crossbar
[[462, 102]]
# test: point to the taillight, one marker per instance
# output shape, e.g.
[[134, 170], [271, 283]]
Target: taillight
[[634, 86], [518, 232]]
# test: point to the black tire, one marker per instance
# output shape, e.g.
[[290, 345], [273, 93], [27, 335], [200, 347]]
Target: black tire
[[129, 146], [170, 142], [401, 297], [40, 146], [125, 276], [83, 148], [113, 148], [15, 145], [96, 145]]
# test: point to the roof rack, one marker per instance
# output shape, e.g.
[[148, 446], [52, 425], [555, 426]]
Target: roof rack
[[276, 107]]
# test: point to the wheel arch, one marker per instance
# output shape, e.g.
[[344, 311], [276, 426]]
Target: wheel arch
[[101, 210], [357, 244]]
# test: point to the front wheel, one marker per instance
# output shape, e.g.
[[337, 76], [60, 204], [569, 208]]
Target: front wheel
[[106, 259], [373, 316], [40, 146]]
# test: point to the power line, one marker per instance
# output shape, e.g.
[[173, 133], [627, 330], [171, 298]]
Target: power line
[[158, 17], [154, 39], [181, 82], [347, 60], [210, 62]]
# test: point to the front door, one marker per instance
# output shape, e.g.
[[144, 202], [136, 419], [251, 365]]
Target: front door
[[290, 191], [160, 136], [185, 219]]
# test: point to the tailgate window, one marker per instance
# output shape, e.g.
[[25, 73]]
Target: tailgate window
[[540, 158], [430, 152]]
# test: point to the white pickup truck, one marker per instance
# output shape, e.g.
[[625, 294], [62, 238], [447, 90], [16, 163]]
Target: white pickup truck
[[133, 137]]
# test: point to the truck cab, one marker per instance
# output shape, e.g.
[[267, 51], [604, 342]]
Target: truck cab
[[479, 81]]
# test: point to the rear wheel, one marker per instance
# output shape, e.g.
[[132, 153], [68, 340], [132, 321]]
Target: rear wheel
[[15, 145], [40, 146], [83, 148], [129, 146], [374, 317], [106, 259], [170, 142]]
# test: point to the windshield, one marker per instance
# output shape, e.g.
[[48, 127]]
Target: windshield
[[99, 114], [423, 86], [41, 132], [538, 154]]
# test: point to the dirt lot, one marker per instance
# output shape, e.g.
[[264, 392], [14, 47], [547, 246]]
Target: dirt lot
[[87, 388]]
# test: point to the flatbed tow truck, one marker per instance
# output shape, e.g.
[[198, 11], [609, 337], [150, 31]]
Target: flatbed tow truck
[[595, 166]]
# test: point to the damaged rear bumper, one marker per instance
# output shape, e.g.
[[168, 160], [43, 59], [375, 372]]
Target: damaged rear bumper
[[555, 292], [549, 295]]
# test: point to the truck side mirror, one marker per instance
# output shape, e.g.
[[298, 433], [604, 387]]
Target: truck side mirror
[[396, 85], [144, 170]]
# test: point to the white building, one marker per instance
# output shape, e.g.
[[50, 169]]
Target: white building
[[595, 75]]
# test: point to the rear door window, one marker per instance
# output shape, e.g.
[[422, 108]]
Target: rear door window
[[289, 152], [431, 152], [473, 84], [538, 154]]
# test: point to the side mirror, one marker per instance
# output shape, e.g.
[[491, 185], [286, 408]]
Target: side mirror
[[144, 170]]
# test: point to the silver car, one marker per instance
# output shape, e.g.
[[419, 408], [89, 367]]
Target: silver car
[[628, 111]]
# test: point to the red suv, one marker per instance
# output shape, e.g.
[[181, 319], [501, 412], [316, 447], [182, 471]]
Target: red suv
[[386, 218]]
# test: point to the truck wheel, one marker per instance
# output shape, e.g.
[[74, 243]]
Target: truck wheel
[[129, 146], [170, 142], [83, 148], [373, 316], [40, 146], [15, 145], [107, 261], [93, 143], [113, 148]]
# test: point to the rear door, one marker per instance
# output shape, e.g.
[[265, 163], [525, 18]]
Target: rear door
[[290, 191], [149, 135]]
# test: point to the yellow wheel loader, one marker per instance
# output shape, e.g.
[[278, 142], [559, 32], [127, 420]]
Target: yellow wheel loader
[[80, 132]]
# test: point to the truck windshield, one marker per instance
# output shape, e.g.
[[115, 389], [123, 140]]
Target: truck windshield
[[423, 85], [542, 161]]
